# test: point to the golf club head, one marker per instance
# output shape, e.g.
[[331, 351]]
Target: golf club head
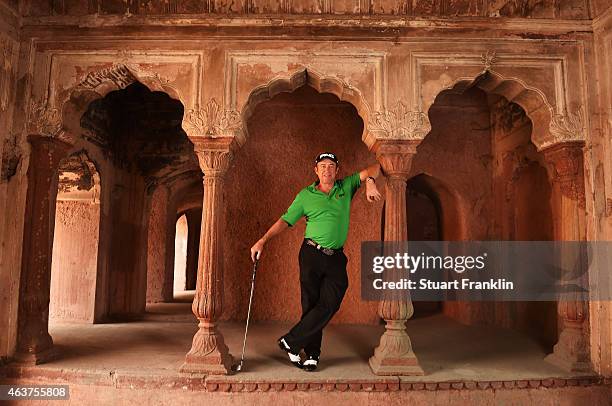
[[237, 367]]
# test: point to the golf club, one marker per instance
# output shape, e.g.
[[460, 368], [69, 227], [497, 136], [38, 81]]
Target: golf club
[[238, 367]]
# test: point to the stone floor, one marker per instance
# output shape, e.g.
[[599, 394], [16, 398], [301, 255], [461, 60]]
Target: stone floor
[[447, 350], [139, 361]]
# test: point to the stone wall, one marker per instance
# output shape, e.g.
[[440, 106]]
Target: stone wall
[[523, 212], [407, 60], [11, 164], [128, 260], [158, 287], [285, 135], [457, 154], [599, 7], [601, 96], [75, 261]]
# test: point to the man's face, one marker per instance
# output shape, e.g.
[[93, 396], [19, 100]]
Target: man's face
[[326, 170]]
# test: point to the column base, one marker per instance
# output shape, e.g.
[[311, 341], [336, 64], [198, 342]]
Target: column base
[[571, 351], [394, 355], [36, 358], [568, 363], [406, 366], [207, 365], [208, 354]]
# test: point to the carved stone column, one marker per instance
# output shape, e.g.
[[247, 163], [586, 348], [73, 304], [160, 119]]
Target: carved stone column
[[565, 165], [394, 355], [34, 344], [208, 353]]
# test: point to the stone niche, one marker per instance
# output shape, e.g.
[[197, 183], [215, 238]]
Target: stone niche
[[277, 160], [485, 181]]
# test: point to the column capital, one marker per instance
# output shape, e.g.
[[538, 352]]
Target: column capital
[[564, 159], [395, 156], [47, 152], [213, 120], [565, 167], [56, 143], [214, 154], [397, 122]]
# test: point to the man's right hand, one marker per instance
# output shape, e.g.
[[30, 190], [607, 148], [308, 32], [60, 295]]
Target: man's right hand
[[256, 250], [276, 229]]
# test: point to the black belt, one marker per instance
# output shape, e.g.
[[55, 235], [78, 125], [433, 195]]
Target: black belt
[[326, 251]]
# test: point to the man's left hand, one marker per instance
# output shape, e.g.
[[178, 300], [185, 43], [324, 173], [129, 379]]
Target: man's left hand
[[372, 193]]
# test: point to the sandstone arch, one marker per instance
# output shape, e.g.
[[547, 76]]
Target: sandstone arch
[[318, 81], [549, 127], [58, 116]]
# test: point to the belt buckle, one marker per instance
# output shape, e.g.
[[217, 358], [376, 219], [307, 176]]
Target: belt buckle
[[327, 251]]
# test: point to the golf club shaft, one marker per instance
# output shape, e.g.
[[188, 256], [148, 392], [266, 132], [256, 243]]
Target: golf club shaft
[[249, 311]]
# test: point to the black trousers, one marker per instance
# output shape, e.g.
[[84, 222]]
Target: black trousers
[[323, 282]]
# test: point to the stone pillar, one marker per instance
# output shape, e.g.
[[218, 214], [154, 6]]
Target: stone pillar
[[208, 353], [34, 344], [194, 224], [565, 165], [129, 217], [160, 246], [394, 355]]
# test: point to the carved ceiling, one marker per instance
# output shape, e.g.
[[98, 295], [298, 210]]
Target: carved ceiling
[[416, 8]]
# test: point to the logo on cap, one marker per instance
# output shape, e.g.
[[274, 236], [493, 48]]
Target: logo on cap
[[326, 155]]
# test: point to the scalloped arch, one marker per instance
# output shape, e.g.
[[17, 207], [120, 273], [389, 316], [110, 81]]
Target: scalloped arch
[[531, 99], [320, 82], [81, 95]]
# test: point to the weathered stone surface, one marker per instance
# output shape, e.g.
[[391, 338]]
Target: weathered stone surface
[[598, 165], [75, 242], [35, 345], [420, 8], [11, 159], [311, 123], [160, 249], [494, 93], [208, 353]]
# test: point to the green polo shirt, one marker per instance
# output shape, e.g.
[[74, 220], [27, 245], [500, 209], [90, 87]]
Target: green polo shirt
[[327, 215]]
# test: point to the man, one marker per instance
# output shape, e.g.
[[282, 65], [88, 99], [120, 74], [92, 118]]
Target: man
[[323, 280]]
